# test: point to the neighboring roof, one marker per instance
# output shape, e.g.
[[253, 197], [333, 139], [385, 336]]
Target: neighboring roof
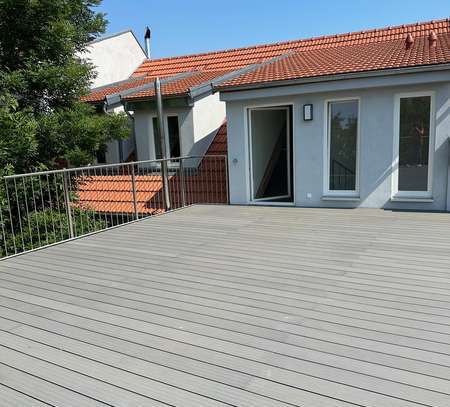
[[177, 87], [114, 194], [356, 51]]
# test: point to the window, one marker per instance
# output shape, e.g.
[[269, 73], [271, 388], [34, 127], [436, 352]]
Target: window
[[172, 137], [342, 146], [413, 146]]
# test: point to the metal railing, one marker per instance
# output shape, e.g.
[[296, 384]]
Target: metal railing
[[342, 178], [43, 208]]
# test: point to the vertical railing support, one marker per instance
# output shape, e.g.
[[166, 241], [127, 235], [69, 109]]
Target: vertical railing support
[[67, 204], [183, 188], [162, 137], [133, 184]]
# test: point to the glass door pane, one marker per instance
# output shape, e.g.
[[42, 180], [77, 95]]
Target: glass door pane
[[270, 153], [414, 143]]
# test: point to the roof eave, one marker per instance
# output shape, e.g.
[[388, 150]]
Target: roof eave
[[336, 77]]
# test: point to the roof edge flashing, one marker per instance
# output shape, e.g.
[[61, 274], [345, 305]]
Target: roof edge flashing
[[208, 88], [336, 77]]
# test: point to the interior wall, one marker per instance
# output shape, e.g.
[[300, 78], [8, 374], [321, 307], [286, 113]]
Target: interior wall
[[265, 129]]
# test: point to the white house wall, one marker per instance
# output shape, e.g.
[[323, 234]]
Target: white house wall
[[198, 125], [144, 131], [376, 142], [115, 58], [208, 115]]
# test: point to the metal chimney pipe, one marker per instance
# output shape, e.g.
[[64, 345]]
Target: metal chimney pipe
[[162, 137], [147, 37]]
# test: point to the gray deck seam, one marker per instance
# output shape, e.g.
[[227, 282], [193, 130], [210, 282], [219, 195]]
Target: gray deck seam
[[284, 297], [195, 296], [187, 320], [27, 395], [54, 383], [273, 352]]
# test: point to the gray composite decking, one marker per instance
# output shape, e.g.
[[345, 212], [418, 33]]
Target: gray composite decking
[[233, 306]]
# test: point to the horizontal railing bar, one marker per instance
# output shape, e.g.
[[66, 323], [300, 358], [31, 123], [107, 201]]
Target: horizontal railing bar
[[90, 167]]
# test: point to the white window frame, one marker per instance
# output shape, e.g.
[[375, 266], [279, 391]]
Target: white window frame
[[166, 133], [396, 194], [326, 151], [291, 148]]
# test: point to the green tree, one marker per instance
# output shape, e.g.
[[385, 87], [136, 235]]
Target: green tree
[[43, 123]]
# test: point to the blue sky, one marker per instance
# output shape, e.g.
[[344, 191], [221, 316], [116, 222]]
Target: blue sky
[[190, 26]]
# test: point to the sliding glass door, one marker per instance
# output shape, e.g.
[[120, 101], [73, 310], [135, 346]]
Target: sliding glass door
[[271, 154]]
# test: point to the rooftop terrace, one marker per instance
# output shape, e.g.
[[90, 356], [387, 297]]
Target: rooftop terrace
[[233, 306]]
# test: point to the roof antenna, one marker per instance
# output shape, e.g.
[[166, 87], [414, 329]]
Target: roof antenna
[[409, 41], [147, 37], [432, 38]]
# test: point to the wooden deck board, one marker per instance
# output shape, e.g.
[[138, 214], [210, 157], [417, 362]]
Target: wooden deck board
[[234, 306]]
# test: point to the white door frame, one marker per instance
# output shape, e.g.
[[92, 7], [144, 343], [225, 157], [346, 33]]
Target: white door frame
[[289, 132]]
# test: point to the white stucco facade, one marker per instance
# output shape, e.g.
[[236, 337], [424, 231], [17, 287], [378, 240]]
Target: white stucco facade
[[377, 123], [115, 57], [197, 126]]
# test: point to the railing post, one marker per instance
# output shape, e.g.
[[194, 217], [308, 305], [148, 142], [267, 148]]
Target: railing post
[[183, 191], [67, 203], [133, 183], [165, 180], [162, 137]]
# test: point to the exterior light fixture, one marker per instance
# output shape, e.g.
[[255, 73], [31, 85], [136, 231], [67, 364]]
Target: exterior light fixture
[[307, 112]]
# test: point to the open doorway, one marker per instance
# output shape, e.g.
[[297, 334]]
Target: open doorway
[[271, 154]]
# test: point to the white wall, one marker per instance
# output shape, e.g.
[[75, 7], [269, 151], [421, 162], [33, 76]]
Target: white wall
[[198, 125], [115, 57], [208, 115], [144, 131], [376, 140]]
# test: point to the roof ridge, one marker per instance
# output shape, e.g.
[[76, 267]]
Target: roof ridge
[[300, 40]]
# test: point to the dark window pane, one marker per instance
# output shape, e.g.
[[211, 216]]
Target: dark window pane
[[174, 136], [414, 143], [343, 127], [157, 138]]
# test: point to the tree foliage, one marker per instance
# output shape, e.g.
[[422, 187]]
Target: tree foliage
[[43, 123]]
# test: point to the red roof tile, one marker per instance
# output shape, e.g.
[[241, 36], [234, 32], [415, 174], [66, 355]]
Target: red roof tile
[[100, 93], [349, 59], [178, 87], [114, 194], [240, 57], [350, 52]]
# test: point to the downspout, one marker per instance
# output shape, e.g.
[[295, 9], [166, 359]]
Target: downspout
[[161, 130], [133, 131]]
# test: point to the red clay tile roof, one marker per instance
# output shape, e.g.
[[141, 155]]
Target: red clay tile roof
[[329, 49], [349, 59], [239, 57], [178, 87], [113, 193], [100, 93]]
